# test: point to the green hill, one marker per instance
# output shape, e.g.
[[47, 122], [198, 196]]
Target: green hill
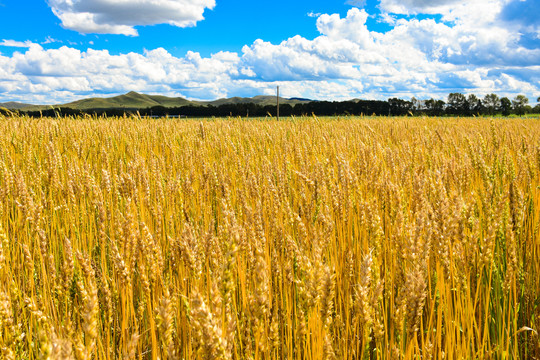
[[259, 100], [131, 100], [134, 100], [15, 105]]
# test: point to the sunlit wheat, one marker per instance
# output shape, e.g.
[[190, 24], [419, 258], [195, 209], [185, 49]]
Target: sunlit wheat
[[351, 238]]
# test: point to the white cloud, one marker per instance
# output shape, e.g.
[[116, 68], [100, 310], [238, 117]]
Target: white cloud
[[422, 58], [353, 27], [121, 16], [470, 15], [39, 72], [450, 9], [18, 44], [413, 6], [50, 40]]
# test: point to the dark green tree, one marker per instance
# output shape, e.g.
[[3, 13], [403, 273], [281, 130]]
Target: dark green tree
[[457, 104], [506, 106], [491, 103], [474, 105], [520, 103], [399, 107], [417, 105], [434, 107]]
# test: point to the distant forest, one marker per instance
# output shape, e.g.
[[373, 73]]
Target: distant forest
[[457, 104]]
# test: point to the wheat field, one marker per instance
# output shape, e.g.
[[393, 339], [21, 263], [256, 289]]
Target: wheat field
[[307, 238]]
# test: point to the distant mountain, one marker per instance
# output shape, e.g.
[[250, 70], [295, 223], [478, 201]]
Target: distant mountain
[[15, 105], [134, 100], [259, 100], [131, 100]]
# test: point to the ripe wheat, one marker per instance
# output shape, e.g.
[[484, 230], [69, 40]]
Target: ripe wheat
[[351, 238]]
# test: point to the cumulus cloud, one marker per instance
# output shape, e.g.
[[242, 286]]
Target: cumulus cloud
[[18, 44], [471, 13], [121, 16], [40, 71], [422, 58], [411, 6]]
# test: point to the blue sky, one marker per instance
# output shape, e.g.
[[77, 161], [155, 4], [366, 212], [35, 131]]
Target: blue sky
[[227, 27], [61, 50]]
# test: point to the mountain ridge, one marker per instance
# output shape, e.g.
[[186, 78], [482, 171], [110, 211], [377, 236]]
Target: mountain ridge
[[134, 100], [14, 105]]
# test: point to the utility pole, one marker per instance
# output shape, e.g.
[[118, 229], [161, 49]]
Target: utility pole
[[277, 103]]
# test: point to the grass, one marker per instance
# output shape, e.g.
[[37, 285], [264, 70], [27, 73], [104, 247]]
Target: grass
[[375, 238]]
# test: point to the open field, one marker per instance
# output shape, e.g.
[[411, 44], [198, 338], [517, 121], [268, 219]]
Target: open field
[[350, 238]]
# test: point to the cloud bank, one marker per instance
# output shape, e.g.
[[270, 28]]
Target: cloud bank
[[422, 58], [121, 16]]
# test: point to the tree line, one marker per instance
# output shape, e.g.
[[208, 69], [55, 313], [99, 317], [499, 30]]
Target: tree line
[[457, 104]]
